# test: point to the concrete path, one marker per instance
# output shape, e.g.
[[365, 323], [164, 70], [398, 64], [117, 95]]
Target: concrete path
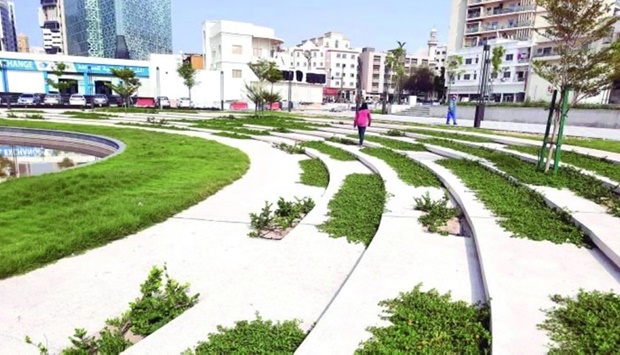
[[206, 246], [577, 131], [520, 274], [400, 256]]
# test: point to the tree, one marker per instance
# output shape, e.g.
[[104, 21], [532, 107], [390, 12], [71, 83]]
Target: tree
[[7, 167], [576, 29], [453, 69], [256, 94], [421, 81], [439, 84], [188, 74], [395, 62], [271, 98], [266, 70], [128, 86], [58, 70], [497, 58]]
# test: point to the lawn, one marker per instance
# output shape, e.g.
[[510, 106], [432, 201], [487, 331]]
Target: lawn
[[88, 115], [48, 217], [333, 152], [314, 173]]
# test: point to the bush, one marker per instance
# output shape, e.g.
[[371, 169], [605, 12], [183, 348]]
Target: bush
[[285, 216], [258, 337], [430, 323], [290, 149], [314, 173], [587, 324], [437, 213], [395, 133]]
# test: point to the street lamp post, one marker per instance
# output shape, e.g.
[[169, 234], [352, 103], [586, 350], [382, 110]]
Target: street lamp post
[[308, 56], [221, 90], [90, 89], [341, 93], [5, 82], [484, 81], [158, 92]]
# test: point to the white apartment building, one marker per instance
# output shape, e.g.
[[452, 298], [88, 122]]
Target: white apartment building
[[51, 24], [375, 77], [333, 56], [512, 24]]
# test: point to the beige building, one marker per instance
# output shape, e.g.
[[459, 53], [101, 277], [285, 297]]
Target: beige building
[[514, 24], [23, 44], [375, 77]]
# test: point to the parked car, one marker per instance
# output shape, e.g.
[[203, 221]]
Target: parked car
[[52, 99], [29, 99], [185, 102], [77, 100], [101, 100], [115, 100], [163, 101]]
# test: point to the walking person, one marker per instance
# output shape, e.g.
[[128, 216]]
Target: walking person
[[451, 110], [362, 120]]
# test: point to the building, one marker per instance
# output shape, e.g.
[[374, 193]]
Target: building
[[374, 71], [23, 44], [51, 22], [515, 25], [8, 33], [129, 29]]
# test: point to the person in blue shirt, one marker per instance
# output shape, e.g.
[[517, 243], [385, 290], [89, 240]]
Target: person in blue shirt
[[451, 110]]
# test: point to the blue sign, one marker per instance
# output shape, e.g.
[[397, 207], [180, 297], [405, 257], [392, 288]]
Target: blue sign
[[19, 64], [7, 151], [105, 69]]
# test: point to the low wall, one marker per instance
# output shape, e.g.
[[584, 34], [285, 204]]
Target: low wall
[[576, 117], [97, 146]]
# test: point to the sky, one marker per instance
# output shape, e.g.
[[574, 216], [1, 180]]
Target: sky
[[367, 23]]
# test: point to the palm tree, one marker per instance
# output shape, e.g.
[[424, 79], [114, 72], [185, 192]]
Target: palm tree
[[395, 62]]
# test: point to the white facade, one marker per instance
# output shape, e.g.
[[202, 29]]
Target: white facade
[[51, 22]]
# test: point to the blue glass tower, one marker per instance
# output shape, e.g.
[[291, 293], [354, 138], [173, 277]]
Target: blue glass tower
[[8, 34], [118, 28]]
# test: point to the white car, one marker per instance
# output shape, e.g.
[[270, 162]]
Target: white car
[[77, 100], [52, 99], [185, 102], [163, 101]]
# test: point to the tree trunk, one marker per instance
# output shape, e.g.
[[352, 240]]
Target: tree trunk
[[189, 90], [556, 127]]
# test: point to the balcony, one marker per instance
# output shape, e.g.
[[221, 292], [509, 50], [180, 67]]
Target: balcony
[[49, 2], [483, 2], [502, 27], [474, 15], [508, 11]]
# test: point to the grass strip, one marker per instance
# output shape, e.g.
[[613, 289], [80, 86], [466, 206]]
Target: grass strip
[[394, 143], [258, 337], [356, 209], [408, 170], [430, 323], [88, 115], [45, 218], [333, 152], [232, 135], [26, 111], [583, 185], [314, 173], [449, 135], [520, 210], [598, 165], [156, 126], [277, 122], [585, 324]]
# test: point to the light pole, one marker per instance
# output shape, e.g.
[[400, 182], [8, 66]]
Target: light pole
[[5, 82], [341, 94], [308, 56], [358, 93], [157, 78], [484, 80], [221, 90], [90, 90]]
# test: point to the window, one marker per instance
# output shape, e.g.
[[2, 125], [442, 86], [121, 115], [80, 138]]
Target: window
[[297, 63], [321, 54], [337, 65], [352, 65], [314, 54], [477, 60], [352, 75], [466, 77], [507, 74], [468, 61], [337, 82], [351, 84], [321, 64], [257, 52], [475, 76], [338, 55], [314, 64], [352, 56], [298, 53], [509, 57], [237, 73], [237, 49]]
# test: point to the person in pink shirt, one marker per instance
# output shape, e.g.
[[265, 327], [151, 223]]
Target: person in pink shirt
[[362, 120]]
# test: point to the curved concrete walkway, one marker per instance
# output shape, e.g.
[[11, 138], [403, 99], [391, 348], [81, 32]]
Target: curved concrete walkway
[[400, 256], [206, 246], [520, 274]]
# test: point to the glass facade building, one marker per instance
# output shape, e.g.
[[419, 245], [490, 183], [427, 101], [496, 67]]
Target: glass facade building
[[130, 29], [8, 34]]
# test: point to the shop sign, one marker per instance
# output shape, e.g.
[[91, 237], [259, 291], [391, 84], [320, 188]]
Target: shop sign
[[18, 64], [105, 69]]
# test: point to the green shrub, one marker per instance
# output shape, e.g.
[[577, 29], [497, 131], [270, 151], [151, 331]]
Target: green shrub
[[314, 173], [341, 140], [290, 149], [396, 144], [287, 214], [437, 213], [395, 133], [408, 170], [34, 116], [258, 337], [450, 135], [333, 152], [430, 323], [232, 135], [587, 324], [356, 209]]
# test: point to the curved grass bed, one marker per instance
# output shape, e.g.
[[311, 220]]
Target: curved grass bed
[[314, 173], [48, 217]]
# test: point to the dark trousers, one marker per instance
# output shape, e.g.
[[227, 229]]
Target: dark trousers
[[451, 117], [361, 131]]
